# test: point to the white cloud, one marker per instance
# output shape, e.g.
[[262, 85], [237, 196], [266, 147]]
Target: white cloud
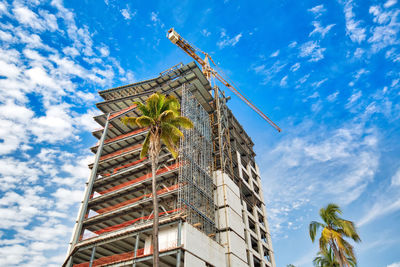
[[353, 98], [317, 10], [385, 34], [56, 125], [127, 13], [332, 97], [318, 83], [359, 52], [311, 165], [27, 17], [45, 93], [225, 40], [353, 28], [205, 33], [156, 20], [318, 29], [293, 44], [312, 50], [274, 54], [390, 3], [396, 178], [269, 72], [394, 264], [283, 82], [295, 67], [379, 209]]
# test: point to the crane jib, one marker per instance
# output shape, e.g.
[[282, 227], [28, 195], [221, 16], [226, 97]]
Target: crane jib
[[175, 38]]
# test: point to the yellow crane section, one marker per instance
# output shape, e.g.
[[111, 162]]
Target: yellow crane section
[[209, 72]]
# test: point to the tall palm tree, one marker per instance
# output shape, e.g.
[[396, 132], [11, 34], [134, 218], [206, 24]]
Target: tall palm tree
[[334, 230], [326, 258], [162, 115]]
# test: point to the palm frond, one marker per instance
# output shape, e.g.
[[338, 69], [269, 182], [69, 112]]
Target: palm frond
[[152, 104], [129, 121], [349, 230], [145, 146], [160, 104], [170, 130], [143, 108], [171, 103], [183, 122], [166, 116], [144, 121], [168, 142], [314, 226]]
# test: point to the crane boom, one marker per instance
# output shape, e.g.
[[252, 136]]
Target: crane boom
[[176, 39]]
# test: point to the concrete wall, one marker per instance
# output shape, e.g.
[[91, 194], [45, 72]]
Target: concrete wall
[[197, 243], [167, 238]]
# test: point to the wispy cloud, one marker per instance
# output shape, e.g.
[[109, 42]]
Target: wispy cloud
[[225, 40], [313, 166], [39, 184], [295, 67], [317, 10], [318, 29], [127, 13], [275, 54], [205, 33], [378, 210], [390, 3], [385, 34], [353, 27], [312, 50]]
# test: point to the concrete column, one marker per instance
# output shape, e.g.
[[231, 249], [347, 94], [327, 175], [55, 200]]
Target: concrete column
[[92, 256], [88, 190]]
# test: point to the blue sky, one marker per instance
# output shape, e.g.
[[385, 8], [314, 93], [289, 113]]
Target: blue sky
[[327, 72]]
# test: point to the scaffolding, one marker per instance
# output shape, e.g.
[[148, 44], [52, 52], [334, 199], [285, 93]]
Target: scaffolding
[[195, 196]]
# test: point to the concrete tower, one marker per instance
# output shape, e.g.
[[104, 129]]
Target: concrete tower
[[212, 211]]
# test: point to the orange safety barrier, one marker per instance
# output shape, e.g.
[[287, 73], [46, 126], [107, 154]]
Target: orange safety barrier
[[144, 177], [136, 199], [119, 152], [119, 257], [127, 223], [125, 166], [122, 111], [126, 135]]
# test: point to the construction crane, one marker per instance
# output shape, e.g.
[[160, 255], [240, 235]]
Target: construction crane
[[210, 73]]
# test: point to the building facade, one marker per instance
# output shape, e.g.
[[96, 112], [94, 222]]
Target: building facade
[[212, 211]]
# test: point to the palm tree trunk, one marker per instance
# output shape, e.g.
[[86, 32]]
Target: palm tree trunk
[[337, 254], [154, 152]]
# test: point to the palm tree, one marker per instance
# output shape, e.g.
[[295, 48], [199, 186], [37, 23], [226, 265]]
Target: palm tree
[[162, 115], [334, 230], [326, 258]]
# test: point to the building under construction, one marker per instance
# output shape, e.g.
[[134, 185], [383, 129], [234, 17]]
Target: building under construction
[[212, 211]]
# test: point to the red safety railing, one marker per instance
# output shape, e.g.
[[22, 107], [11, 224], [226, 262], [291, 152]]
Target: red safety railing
[[136, 199], [127, 223], [139, 179], [121, 151], [122, 111], [115, 170], [120, 257], [122, 136]]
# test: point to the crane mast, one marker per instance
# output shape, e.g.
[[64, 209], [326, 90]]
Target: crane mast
[[210, 73]]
